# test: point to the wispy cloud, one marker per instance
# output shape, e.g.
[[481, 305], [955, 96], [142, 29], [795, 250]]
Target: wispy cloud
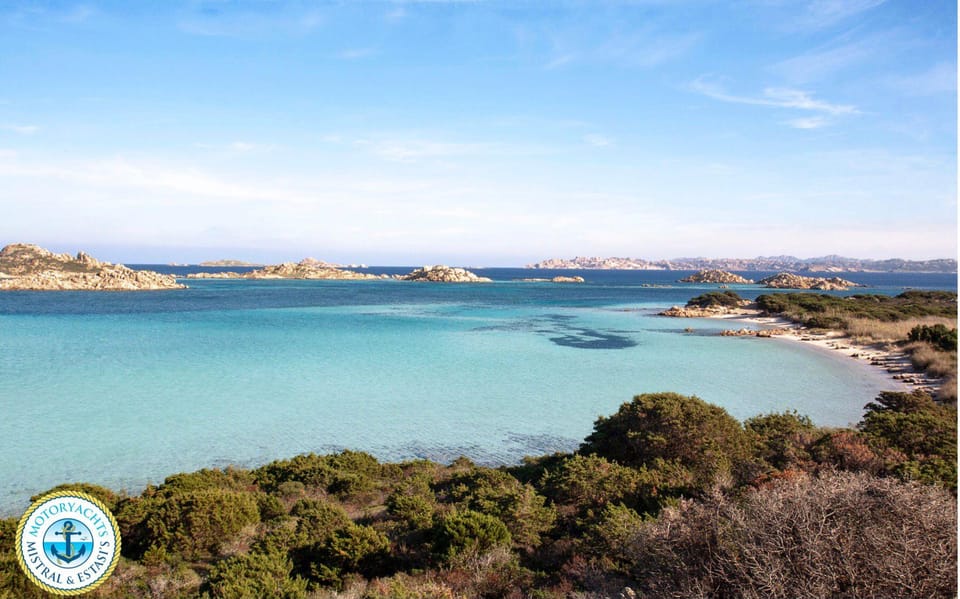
[[412, 150], [239, 147], [641, 48], [819, 14], [938, 79], [597, 141], [830, 59], [21, 129], [815, 15], [213, 21], [356, 53], [812, 122], [775, 97]]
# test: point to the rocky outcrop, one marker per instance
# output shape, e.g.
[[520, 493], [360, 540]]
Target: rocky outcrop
[[715, 276], [697, 312], [762, 333], [228, 263], [444, 274], [30, 267], [786, 280], [308, 268]]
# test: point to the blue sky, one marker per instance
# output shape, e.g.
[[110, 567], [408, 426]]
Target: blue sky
[[482, 133]]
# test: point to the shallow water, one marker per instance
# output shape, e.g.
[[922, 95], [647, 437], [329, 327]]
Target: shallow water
[[121, 389]]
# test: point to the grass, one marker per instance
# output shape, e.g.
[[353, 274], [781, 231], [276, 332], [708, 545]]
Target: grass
[[868, 330]]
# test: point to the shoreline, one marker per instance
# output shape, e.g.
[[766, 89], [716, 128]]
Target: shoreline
[[894, 363]]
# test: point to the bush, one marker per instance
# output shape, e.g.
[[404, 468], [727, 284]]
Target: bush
[[108, 497], [921, 431], [782, 440], [354, 548], [192, 524], [469, 531], [256, 576], [589, 483], [937, 335], [413, 504], [670, 427], [317, 520], [841, 535], [496, 493], [726, 299], [344, 473]]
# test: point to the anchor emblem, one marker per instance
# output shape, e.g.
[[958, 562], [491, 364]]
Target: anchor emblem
[[68, 555]]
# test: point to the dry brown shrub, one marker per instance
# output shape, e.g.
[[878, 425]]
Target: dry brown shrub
[[932, 361], [869, 330], [839, 535]]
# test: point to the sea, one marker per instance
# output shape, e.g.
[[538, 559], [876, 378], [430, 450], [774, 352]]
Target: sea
[[123, 389]]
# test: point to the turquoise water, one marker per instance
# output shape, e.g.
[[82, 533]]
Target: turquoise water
[[125, 389]]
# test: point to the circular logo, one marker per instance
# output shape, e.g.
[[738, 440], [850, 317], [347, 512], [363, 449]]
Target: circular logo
[[68, 543]]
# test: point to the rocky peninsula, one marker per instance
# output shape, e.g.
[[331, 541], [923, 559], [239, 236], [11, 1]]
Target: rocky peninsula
[[308, 268], [444, 274], [30, 267], [715, 276], [786, 280]]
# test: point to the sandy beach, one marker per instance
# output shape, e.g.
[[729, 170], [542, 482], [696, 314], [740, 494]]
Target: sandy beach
[[894, 362]]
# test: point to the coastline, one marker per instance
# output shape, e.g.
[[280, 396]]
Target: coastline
[[893, 362]]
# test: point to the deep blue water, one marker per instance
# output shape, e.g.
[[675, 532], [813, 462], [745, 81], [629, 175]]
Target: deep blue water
[[121, 389]]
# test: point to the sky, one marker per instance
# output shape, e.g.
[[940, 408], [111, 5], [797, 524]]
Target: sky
[[489, 133]]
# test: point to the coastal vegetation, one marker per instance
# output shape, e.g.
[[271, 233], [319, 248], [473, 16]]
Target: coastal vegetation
[[922, 323], [668, 497]]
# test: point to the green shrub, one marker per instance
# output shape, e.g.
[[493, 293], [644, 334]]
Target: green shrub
[[590, 482], [496, 493], [782, 439], [317, 520], [192, 524], [921, 431], [342, 473], [698, 436], [726, 299], [230, 479], [354, 548], [270, 507], [938, 336], [413, 503], [108, 497], [256, 576], [469, 531], [614, 532]]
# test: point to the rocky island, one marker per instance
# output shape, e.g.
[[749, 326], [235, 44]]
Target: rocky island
[[557, 279], [308, 268], [786, 280], [715, 276], [233, 263], [30, 267], [444, 274]]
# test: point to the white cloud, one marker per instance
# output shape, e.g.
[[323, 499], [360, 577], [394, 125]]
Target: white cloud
[[412, 150], [813, 122], [775, 97], [826, 61], [239, 147], [825, 13], [597, 141], [21, 129], [939, 79]]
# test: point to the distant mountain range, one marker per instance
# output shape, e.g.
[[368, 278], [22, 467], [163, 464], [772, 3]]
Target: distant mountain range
[[762, 263]]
